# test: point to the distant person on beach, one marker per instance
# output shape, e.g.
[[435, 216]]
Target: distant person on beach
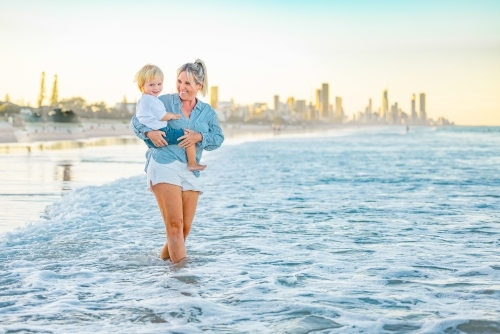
[[152, 113], [175, 187]]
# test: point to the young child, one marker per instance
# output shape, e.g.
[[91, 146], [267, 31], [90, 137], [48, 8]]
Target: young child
[[151, 112]]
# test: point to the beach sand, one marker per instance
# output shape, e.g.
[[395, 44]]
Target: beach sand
[[45, 136], [39, 137]]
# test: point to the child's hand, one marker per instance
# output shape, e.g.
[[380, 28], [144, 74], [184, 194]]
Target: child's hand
[[170, 116]]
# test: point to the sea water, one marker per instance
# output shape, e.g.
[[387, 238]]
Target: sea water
[[374, 230], [30, 181]]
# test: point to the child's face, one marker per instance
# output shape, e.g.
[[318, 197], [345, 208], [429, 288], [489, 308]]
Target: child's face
[[153, 87]]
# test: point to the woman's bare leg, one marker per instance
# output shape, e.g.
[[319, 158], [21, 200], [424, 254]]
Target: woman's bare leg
[[189, 203], [169, 198]]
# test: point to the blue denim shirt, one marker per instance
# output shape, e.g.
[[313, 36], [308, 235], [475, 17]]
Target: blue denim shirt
[[203, 120]]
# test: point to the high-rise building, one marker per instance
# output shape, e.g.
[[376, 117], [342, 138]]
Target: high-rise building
[[300, 108], [291, 103], [318, 98], [393, 116], [368, 111], [325, 103], [311, 111], [423, 114], [384, 110], [214, 96], [339, 112], [276, 102], [414, 116], [55, 93], [41, 97]]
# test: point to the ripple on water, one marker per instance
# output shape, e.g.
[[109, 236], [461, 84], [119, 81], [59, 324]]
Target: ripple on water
[[383, 240]]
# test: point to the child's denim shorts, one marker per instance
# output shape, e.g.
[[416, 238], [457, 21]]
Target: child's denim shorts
[[171, 136]]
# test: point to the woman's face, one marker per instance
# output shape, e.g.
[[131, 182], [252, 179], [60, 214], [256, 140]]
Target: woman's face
[[185, 90]]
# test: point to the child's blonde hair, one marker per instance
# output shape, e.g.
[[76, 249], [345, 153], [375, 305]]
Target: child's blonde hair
[[147, 73]]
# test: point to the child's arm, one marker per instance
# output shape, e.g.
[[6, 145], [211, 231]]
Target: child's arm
[[169, 116]]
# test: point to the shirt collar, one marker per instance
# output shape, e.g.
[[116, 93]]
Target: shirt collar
[[177, 100]]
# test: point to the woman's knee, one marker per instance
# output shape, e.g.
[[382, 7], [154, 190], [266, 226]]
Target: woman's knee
[[175, 224]]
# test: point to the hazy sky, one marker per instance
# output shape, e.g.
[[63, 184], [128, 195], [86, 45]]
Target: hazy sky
[[255, 49]]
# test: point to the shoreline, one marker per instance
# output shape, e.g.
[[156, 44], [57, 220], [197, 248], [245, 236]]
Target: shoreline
[[91, 133], [115, 133]]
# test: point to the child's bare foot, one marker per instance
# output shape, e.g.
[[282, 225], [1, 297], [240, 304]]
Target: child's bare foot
[[192, 168]]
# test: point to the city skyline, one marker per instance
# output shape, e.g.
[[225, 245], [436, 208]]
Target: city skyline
[[295, 110], [322, 110], [360, 48]]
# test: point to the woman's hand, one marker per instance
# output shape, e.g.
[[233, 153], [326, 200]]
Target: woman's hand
[[190, 138], [157, 137]]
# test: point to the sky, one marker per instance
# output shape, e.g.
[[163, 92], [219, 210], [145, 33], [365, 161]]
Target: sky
[[449, 50]]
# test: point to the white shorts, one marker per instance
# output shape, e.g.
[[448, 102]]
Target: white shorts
[[175, 173]]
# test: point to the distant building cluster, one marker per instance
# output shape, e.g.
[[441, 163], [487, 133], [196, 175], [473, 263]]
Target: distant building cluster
[[323, 110], [393, 114]]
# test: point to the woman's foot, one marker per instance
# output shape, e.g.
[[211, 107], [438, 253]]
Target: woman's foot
[[192, 168]]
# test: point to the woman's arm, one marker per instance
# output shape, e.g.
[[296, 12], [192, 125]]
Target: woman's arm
[[143, 133], [140, 129], [214, 138]]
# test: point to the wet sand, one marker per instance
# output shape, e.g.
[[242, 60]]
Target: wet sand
[[40, 137], [48, 136]]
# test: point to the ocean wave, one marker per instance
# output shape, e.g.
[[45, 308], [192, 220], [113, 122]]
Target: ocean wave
[[291, 236]]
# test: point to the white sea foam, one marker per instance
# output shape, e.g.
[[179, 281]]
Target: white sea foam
[[339, 234]]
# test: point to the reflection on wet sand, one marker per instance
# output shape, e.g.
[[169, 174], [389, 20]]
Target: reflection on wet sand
[[67, 144], [29, 181], [63, 173]]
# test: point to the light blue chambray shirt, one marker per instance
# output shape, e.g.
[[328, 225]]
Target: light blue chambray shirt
[[203, 120]]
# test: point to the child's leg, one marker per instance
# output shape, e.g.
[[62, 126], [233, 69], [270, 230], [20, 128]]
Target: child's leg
[[172, 138], [191, 158], [172, 135]]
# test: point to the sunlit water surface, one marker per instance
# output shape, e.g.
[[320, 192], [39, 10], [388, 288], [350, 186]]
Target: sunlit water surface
[[372, 230], [31, 181]]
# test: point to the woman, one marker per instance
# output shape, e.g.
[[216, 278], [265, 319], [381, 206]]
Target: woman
[[176, 188]]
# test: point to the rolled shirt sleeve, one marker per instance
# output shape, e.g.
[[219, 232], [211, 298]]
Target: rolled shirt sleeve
[[214, 138], [139, 128]]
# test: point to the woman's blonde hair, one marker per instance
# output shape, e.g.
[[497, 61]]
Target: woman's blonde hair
[[147, 73], [196, 73]]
